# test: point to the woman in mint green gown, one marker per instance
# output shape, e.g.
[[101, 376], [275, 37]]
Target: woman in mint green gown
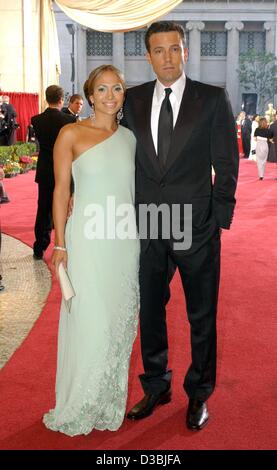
[[100, 247]]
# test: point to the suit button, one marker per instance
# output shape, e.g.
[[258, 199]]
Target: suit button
[[162, 185]]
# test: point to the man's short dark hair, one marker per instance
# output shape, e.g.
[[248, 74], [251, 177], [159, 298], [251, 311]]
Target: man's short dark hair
[[164, 27], [75, 97], [53, 94]]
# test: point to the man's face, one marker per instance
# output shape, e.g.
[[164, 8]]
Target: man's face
[[76, 106], [167, 56]]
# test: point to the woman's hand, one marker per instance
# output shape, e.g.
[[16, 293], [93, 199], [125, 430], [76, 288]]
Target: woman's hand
[[58, 257]]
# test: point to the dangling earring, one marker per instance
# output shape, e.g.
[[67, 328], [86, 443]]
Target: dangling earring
[[119, 115], [92, 115]]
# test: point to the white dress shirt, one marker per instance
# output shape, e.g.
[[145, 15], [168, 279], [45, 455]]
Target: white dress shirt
[[175, 99]]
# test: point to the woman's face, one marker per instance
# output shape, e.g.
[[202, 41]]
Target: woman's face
[[108, 94]]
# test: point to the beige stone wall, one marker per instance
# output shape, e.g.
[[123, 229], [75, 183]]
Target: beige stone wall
[[19, 45]]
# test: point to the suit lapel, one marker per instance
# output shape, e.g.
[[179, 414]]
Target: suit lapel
[[143, 106], [188, 116]]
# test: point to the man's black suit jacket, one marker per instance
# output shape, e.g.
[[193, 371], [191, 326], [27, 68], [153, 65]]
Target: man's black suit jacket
[[67, 111], [246, 128], [273, 128], [204, 136], [47, 126]]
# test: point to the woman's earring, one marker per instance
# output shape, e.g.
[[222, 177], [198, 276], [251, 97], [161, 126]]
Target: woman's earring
[[92, 115], [119, 115]]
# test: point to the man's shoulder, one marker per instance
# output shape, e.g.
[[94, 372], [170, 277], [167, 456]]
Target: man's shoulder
[[53, 117], [68, 118], [206, 89], [139, 90], [37, 118]]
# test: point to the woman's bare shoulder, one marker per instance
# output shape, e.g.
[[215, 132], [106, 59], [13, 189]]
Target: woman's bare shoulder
[[69, 131]]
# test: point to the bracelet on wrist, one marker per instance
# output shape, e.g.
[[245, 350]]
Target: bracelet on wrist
[[60, 248]]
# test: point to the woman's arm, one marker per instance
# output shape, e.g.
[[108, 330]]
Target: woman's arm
[[63, 156]]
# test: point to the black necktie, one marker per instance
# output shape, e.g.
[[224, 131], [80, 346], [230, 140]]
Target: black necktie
[[165, 128]]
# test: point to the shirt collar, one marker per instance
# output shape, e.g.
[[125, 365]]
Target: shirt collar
[[70, 110], [177, 88]]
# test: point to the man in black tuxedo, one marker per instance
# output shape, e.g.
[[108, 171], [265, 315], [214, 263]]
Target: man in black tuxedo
[[183, 128], [47, 126], [10, 120], [75, 106], [273, 148], [246, 127]]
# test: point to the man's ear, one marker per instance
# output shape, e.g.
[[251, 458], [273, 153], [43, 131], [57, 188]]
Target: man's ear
[[148, 57], [186, 54]]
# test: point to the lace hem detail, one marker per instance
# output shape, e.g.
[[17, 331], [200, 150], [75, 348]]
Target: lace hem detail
[[105, 409]]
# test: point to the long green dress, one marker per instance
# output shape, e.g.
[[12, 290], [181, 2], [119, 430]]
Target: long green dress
[[96, 334]]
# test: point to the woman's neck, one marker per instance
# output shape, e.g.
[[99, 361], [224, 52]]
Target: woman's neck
[[108, 124]]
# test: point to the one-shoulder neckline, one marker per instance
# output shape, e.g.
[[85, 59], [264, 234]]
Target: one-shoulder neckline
[[94, 146]]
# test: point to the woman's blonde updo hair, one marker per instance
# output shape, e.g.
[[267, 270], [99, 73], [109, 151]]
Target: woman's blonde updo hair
[[90, 82]]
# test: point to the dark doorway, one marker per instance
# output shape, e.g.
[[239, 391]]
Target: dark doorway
[[249, 103]]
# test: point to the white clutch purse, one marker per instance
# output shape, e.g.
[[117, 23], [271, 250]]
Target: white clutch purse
[[66, 286]]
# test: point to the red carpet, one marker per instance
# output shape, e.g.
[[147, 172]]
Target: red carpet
[[243, 408]]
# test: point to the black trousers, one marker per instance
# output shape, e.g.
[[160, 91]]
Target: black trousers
[[246, 145], [44, 222], [199, 270]]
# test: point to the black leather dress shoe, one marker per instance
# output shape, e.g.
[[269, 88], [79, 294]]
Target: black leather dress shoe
[[147, 405], [197, 415]]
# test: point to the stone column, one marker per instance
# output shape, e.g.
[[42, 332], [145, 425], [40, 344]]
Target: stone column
[[232, 80], [81, 59], [118, 51], [195, 28], [275, 52], [269, 27]]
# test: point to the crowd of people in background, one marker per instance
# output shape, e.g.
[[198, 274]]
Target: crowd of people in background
[[257, 138], [251, 129]]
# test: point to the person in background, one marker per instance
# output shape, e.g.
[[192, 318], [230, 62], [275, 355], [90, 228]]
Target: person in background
[[47, 126], [3, 125], [253, 143], [245, 133], [10, 118], [239, 135], [272, 154], [75, 106], [262, 135]]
